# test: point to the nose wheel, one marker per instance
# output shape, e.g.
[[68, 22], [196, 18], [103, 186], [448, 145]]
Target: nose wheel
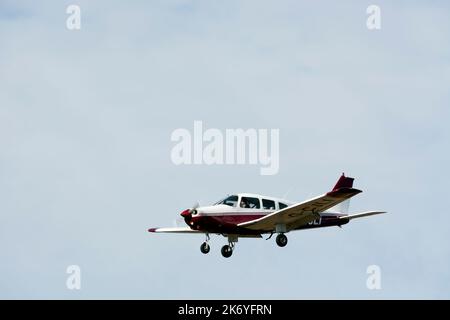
[[281, 240], [204, 248]]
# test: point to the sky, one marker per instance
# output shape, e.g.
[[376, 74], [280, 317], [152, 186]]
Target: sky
[[86, 118]]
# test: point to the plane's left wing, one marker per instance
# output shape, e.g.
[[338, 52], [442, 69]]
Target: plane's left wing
[[304, 212]]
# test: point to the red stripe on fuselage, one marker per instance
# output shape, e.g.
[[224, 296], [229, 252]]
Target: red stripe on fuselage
[[228, 219]]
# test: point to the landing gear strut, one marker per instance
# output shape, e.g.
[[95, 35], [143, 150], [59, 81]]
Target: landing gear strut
[[204, 248], [281, 240]]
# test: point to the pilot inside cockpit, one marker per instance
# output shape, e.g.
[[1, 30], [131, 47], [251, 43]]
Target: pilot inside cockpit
[[244, 203]]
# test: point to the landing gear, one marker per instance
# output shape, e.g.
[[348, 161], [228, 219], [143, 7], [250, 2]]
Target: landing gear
[[227, 251], [281, 240], [204, 248]]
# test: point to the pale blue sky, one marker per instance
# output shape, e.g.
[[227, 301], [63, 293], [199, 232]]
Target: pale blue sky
[[85, 124]]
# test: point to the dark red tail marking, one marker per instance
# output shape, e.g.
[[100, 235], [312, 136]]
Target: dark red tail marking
[[343, 182]]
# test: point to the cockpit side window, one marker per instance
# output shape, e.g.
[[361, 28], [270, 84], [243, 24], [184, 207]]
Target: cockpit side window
[[268, 204], [229, 201], [251, 203], [282, 205]]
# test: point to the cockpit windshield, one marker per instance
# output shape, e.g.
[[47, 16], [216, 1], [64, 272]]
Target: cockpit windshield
[[229, 201]]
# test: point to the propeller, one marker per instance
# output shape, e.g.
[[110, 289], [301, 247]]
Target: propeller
[[193, 210], [187, 214]]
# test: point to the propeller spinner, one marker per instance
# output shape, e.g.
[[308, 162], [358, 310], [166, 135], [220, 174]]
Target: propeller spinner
[[187, 214]]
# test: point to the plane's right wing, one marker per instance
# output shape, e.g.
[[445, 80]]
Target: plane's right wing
[[174, 230]]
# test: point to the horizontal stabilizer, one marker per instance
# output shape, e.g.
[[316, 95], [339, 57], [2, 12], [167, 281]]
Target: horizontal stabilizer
[[361, 214]]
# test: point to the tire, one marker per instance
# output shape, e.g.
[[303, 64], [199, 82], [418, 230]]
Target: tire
[[204, 248], [281, 240], [227, 251]]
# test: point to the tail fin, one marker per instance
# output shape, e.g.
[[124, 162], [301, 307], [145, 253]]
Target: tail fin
[[343, 182]]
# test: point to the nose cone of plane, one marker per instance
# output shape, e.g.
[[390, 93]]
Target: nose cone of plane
[[186, 213]]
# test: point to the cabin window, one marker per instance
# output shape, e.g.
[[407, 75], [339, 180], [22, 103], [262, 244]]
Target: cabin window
[[268, 204], [251, 203], [282, 205], [229, 201]]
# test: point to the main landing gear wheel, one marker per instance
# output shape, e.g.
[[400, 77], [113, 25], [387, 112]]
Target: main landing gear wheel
[[282, 240], [227, 251], [204, 248]]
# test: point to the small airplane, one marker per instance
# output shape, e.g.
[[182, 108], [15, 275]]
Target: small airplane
[[247, 215]]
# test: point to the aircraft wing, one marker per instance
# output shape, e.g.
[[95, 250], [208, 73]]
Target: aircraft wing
[[304, 212], [174, 230]]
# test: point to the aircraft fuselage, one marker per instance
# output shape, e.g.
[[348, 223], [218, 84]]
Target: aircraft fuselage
[[212, 220]]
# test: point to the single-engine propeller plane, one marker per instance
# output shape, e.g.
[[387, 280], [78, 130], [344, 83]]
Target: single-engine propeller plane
[[246, 215]]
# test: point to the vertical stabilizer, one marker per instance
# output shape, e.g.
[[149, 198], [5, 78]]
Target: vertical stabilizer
[[343, 182]]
